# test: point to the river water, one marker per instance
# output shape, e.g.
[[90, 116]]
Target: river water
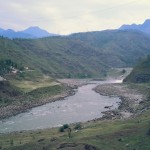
[[83, 106]]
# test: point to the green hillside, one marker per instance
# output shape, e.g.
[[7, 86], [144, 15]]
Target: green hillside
[[79, 55], [118, 48], [141, 72]]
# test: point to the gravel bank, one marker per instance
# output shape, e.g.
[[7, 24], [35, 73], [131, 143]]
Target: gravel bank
[[130, 100], [18, 107]]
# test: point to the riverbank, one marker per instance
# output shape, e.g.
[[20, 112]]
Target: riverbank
[[131, 99], [20, 106], [74, 83]]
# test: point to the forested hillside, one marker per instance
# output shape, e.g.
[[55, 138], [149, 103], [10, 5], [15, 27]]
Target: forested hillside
[[79, 55]]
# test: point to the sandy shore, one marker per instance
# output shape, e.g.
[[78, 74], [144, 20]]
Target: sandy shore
[[130, 100]]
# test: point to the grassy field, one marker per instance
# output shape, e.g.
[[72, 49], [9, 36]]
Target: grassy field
[[17, 96], [29, 85], [132, 134]]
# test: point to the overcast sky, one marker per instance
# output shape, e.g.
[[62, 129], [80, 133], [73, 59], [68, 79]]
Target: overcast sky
[[69, 16]]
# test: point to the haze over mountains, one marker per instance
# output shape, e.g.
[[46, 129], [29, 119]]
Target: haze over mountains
[[31, 32], [37, 32]]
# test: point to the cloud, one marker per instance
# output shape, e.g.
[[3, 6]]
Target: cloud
[[67, 16]]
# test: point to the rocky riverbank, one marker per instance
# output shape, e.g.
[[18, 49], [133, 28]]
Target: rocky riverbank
[[19, 107], [130, 100]]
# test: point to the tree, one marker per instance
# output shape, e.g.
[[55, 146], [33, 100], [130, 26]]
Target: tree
[[69, 132], [123, 71], [61, 129], [66, 126]]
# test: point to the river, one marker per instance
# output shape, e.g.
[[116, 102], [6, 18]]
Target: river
[[85, 105]]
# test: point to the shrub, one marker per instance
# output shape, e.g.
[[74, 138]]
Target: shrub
[[77, 126], [148, 133], [61, 129], [66, 126], [11, 142]]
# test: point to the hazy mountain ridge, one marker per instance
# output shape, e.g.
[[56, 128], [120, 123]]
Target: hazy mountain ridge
[[117, 44], [145, 27], [31, 32]]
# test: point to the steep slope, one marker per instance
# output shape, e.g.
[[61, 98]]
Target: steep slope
[[62, 56], [81, 55], [118, 47], [141, 72]]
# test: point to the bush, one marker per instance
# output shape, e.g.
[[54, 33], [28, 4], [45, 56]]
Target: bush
[[77, 126], [66, 126], [61, 129], [148, 133], [11, 142]]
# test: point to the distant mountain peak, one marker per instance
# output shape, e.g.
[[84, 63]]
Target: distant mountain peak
[[1, 30], [33, 28], [145, 27], [31, 32], [147, 21], [38, 32], [10, 30]]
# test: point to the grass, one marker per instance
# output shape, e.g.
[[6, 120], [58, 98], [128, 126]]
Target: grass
[[37, 89], [119, 135], [118, 72], [29, 85]]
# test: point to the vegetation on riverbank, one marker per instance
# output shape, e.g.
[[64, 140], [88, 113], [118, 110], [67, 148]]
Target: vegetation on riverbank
[[125, 134], [17, 96], [131, 134]]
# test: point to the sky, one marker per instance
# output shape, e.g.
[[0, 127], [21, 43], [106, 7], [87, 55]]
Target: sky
[[70, 16]]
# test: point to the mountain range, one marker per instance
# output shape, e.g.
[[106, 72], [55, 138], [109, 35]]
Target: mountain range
[[86, 54], [37, 32], [145, 27], [31, 32]]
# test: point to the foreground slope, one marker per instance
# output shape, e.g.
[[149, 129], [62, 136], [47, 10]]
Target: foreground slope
[[141, 72]]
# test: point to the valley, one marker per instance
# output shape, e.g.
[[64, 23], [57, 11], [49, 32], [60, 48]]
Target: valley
[[36, 72]]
